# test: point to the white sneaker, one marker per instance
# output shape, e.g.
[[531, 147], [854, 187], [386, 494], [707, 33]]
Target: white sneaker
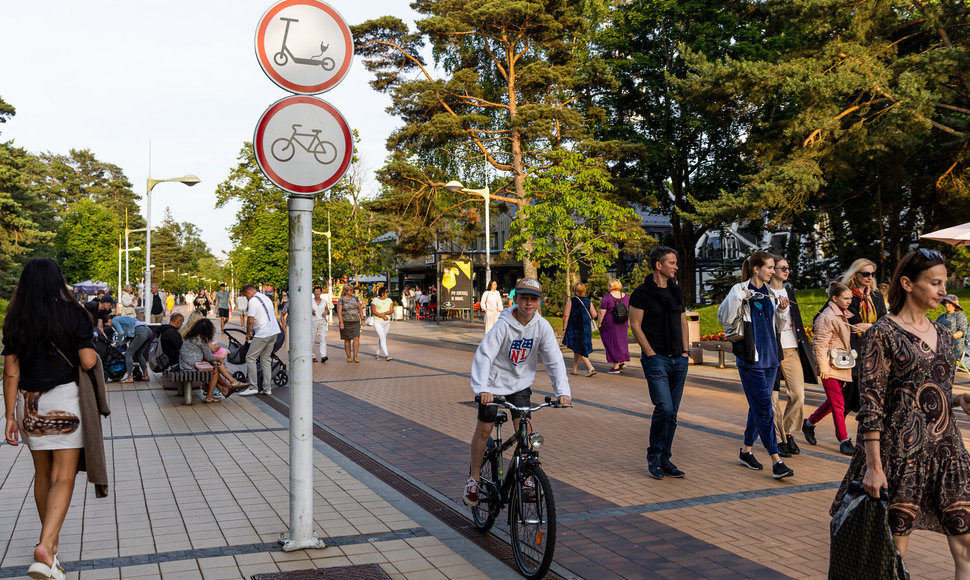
[[388, 357], [251, 390], [267, 392]]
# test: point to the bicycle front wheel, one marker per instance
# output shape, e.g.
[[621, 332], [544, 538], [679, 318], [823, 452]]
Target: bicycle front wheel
[[282, 149], [488, 493], [532, 521], [325, 152]]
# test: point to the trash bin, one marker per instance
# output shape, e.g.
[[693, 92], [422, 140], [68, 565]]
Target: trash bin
[[398, 313], [693, 326]]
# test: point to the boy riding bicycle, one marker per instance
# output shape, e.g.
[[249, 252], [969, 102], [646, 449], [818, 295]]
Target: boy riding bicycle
[[505, 366]]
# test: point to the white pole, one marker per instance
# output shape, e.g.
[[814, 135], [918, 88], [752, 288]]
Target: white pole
[[302, 535], [118, 289], [488, 244], [146, 285], [127, 277]]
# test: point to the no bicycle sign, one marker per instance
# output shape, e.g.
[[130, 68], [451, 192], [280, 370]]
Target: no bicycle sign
[[303, 144]]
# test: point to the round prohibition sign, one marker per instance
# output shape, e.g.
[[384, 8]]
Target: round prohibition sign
[[304, 46], [303, 144]]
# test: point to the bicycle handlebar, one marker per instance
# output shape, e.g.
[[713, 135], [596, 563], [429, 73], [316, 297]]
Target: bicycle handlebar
[[501, 402]]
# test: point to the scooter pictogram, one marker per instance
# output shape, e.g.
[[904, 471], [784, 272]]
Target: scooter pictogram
[[285, 54], [324, 151]]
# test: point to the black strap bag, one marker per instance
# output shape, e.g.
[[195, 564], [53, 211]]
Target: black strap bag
[[862, 545]]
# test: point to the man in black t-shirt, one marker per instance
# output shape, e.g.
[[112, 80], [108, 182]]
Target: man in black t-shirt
[[171, 339], [100, 309], [659, 323]]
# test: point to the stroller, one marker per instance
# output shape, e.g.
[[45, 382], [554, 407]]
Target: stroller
[[112, 358], [237, 358]]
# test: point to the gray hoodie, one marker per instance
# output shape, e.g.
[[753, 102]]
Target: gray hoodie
[[506, 359]]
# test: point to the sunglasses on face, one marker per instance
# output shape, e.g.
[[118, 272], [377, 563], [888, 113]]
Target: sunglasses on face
[[930, 254], [782, 268], [866, 274]]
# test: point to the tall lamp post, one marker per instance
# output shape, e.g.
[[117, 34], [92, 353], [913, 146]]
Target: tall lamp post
[[189, 180], [456, 186], [327, 234], [124, 251]]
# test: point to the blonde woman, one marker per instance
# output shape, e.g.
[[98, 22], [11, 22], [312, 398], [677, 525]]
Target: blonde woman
[[613, 332], [577, 328], [867, 306]]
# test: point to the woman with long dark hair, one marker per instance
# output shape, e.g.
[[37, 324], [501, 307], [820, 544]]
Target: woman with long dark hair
[[908, 439], [758, 354], [47, 338]]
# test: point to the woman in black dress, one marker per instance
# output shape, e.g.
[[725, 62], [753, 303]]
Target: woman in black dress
[[47, 337], [908, 439]]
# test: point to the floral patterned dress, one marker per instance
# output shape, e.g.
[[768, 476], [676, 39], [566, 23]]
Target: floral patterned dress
[[906, 392]]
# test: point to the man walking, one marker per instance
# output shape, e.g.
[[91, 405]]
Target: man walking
[[261, 331], [320, 305], [128, 301], [157, 310], [222, 306], [659, 323]]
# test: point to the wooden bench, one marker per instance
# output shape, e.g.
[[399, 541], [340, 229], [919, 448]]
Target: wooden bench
[[718, 346], [184, 380]]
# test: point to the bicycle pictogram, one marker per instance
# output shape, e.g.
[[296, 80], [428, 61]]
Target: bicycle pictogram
[[285, 54], [283, 148]]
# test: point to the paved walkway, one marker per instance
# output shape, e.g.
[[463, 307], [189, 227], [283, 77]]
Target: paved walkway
[[200, 491]]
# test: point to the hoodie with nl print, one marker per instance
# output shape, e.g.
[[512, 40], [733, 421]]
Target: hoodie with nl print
[[506, 359]]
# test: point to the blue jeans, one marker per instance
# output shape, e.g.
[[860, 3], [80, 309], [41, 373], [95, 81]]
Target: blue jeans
[[665, 379], [758, 384]]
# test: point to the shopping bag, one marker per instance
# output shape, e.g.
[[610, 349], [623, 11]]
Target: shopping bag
[[862, 546], [237, 356]]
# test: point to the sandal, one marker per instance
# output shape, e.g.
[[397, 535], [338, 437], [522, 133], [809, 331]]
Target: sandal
[[591, 372], [573, 372], [127, 381], [210, 400], [356, 361]]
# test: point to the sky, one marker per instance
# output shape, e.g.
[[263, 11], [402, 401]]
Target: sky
[[114, 76]]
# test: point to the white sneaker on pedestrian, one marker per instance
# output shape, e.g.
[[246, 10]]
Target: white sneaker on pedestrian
[[267, 392], [251, 390]]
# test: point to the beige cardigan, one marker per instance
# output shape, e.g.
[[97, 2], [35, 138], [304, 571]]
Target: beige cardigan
[[94, 405], [831, 331]]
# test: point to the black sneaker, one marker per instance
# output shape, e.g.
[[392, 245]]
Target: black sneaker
[[780, 470], [808, 430], [847, 448], [783, 450], [792, 446], [656, 470], [746, 459], [670, 470]]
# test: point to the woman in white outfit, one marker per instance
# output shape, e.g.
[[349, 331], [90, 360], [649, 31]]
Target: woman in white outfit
[[381, 309], [320, 310], [492, 305]]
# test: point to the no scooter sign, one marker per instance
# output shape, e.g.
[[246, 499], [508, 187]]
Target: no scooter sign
[[303, 144], [304, 46]]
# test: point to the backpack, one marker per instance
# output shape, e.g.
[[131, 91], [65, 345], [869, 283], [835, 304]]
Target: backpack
[[619, 312], [157, 360]]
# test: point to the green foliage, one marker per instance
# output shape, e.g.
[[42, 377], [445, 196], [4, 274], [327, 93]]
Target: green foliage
[[508, 96], [570, 219], [86, 243], [720, 284], [858, 123], [21, 213]]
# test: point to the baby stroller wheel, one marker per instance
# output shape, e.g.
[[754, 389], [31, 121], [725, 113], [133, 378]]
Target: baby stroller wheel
[[239, 376], [280, 379]]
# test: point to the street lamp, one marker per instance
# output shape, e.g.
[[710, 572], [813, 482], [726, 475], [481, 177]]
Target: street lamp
[[456, 186], [189, 180], [327, 233], [125, 251]]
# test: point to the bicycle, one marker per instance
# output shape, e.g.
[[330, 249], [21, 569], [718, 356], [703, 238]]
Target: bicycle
[[524, 488], [283, 148]]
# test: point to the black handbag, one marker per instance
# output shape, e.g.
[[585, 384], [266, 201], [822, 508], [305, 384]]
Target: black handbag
[[862, 545]]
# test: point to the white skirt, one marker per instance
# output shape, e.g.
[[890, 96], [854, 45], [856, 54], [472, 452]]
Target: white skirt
[[51, 419]]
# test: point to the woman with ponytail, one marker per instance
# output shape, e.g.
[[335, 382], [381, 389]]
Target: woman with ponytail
[[758, 353]]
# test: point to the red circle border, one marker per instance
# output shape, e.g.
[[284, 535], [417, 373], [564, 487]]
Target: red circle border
[[275, 177]]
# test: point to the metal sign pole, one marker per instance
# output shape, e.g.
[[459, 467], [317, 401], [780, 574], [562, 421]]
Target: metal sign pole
[[302, 535]]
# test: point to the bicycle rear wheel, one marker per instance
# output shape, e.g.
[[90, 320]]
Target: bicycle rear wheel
[[488, 493], [532, 522]]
